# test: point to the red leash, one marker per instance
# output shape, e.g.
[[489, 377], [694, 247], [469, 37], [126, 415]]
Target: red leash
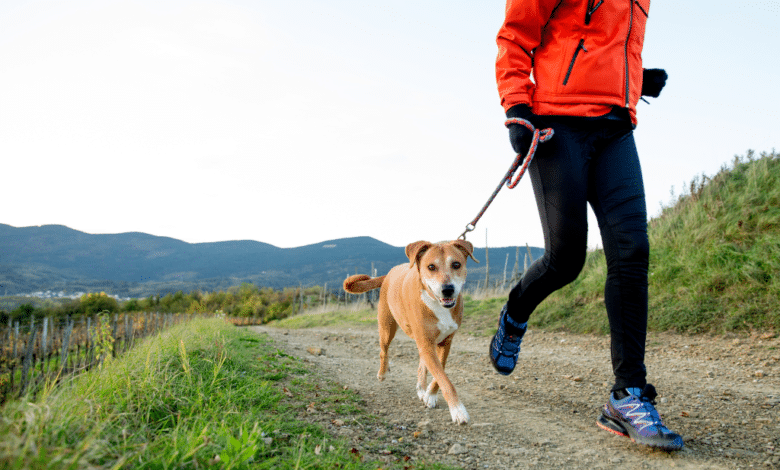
[[539, 136]]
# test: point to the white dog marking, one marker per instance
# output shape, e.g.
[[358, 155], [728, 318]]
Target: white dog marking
[[446, 325]]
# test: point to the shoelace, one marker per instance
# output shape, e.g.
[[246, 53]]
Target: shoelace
[[512, 344], [655, 416], [507, 343]]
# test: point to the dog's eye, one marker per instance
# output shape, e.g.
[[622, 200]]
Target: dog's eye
[[455, 265], [431, 267]]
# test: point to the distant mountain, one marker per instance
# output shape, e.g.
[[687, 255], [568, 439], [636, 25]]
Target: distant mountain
[[57, 258]]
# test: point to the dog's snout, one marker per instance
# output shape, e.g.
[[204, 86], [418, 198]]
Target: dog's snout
[[447, 290]]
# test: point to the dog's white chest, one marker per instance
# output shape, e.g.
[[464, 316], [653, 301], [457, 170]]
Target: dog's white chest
[[445, 324]]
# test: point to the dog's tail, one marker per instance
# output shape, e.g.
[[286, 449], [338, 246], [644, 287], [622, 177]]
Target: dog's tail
[[360, 283]]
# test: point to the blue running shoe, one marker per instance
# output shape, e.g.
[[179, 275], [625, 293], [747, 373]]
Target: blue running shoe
[[635, 417], [506, 343]]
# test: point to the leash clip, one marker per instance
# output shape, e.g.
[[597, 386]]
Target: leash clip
[[469, 228]]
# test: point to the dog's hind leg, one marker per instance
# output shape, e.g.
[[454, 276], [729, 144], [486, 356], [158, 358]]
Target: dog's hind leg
[[423, 390], [387, 328]]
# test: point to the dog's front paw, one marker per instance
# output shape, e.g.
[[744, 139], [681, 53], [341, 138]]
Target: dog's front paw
[[459, 414]]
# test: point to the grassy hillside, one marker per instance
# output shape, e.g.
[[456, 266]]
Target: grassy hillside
[[714, 261]]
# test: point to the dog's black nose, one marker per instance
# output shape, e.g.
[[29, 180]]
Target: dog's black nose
[[447, 290]]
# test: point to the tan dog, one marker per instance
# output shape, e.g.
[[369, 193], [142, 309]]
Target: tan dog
[[424, 298]]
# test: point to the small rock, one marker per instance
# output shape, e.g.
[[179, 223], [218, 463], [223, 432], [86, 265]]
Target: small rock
[[424, 424], [457, 449], [758, 373], [316, 351], [267, 440]]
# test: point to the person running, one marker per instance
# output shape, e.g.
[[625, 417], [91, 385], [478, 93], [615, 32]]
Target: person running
[[576, 67]]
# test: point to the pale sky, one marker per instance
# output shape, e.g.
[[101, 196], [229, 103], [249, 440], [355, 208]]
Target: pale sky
[[292, 123]]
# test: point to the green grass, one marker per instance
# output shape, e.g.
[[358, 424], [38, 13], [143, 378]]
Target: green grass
[[714, 261], [203, 395], [480, 317], [359, 317]]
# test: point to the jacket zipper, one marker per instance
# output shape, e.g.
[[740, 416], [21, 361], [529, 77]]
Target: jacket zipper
[[580, 46], [591, 10], [640, 7], [625, 54]]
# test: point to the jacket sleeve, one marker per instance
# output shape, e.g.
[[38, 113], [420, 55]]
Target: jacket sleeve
[[520, 34]]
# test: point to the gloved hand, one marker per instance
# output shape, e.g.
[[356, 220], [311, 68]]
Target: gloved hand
[[653, 81], [520, 136]]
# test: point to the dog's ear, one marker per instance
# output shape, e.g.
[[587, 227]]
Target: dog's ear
[[466, 247], [415, 250]]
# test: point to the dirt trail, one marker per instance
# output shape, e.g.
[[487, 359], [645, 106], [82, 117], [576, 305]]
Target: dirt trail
[[721, 394]]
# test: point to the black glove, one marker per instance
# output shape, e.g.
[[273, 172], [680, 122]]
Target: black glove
[[653, 81], [520, 136]]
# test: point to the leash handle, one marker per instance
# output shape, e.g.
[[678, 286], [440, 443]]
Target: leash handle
[[539, 136]]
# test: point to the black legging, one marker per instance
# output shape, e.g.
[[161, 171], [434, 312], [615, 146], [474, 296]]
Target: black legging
[[592, 161]]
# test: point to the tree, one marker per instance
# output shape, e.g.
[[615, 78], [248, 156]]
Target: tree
[[96, 303]]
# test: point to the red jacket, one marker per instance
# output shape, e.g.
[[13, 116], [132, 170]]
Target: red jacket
[[585, 55]]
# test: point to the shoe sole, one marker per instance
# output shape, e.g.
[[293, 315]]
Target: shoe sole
[[610, 425]]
